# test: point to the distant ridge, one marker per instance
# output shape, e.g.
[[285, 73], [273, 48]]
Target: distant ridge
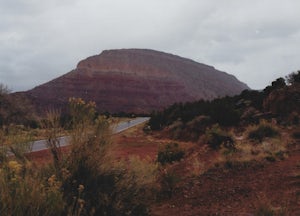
[[136, 80]]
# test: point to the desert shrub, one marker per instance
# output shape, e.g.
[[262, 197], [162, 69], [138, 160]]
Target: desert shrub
[[170, 153], [294, 118], [261, 131], [215, 137], [86, 182], [264, 211], [280, 155], [24, 192], [223, 112], [293, 78], [15, 141], [53, 129], [265, 208], [196, 127], [110, 188], [137, 187], [284, 103], [15, 108], [188, 131], [156, 121], [168, 181], [270, 158], [176, 130], [108, 191], [296, 135]]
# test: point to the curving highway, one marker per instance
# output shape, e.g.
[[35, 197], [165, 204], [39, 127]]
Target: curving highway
[[42, 144]]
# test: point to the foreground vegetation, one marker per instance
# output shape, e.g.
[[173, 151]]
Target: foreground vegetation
[[210, 157], [85, 181]]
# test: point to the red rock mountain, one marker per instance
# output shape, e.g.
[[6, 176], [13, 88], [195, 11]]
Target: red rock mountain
[[136, 80]]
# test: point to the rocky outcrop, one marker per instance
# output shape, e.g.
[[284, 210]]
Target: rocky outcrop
[[136, 80]]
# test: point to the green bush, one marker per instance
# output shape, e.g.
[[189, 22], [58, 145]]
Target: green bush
[[296, 135], [172, 152], [215, 137], [263, 130]]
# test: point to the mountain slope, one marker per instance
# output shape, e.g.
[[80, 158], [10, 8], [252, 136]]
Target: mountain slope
[[136, 80]]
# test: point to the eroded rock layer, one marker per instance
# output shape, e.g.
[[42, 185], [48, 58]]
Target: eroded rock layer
[[136, 80]]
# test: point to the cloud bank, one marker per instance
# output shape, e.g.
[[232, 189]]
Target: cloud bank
[[257, 41]]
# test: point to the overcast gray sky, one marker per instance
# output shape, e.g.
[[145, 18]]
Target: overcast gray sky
[[257, 41]]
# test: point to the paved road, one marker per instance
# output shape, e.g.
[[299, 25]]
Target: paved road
[[125, 125], [42, 144]]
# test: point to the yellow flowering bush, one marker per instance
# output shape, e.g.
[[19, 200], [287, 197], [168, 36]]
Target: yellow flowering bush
[[82, 112], [24, 192], [87, 181], [14, 167]]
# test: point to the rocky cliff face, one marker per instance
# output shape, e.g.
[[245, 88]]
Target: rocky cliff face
[[136, 80]]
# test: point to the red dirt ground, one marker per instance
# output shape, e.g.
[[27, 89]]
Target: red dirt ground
[[240, 189]]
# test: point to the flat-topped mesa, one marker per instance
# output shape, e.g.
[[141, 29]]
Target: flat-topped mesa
[[138, 61], [136, 80]]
